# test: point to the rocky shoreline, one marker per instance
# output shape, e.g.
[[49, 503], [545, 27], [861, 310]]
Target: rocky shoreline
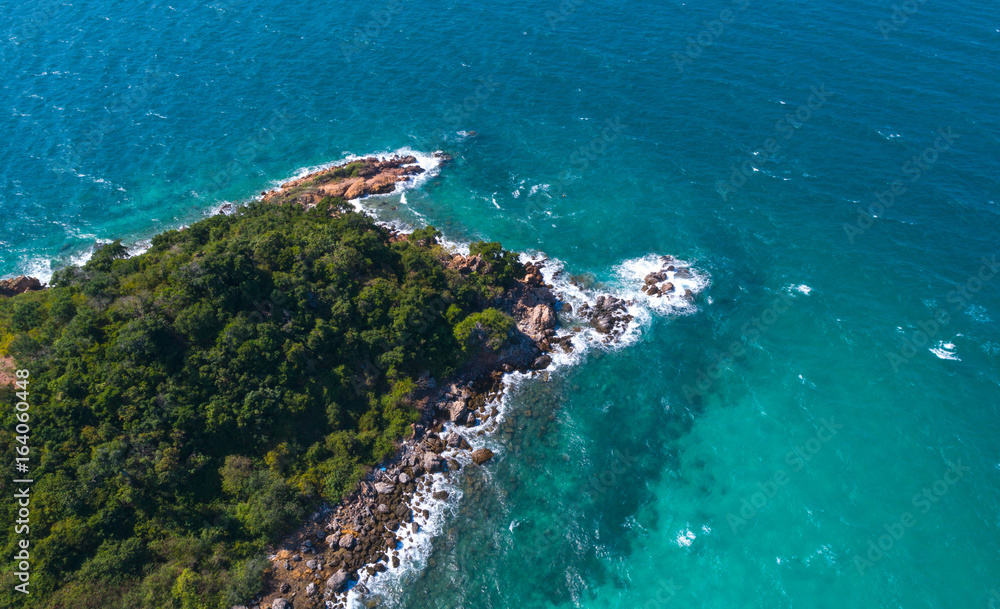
[[313, 567], [360, 537]]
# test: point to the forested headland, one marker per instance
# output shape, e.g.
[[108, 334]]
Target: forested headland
[[191, 404]]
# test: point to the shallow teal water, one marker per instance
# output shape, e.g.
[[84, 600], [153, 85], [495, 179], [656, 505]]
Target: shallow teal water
[[623, 488]]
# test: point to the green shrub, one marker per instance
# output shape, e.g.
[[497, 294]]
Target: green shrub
[[490, 327]]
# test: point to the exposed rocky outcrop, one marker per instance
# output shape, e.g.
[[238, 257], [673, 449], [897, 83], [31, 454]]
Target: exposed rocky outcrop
[[657, 283], [482, 455], [352, 180], [337, 581], [609, 316], [19, 285]]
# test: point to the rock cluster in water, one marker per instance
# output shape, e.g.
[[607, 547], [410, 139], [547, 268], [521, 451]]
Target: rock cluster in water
[[352, 180]]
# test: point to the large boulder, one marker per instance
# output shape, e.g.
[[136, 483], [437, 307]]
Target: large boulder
[[280, 603], [311, 589], [655, 277], [482, 455], [347, 541], [19, 285], [456, 410], [537, 320], [541, 362], [356, 190], [432, 462], [603, 323], [337, 581], [384, 488]]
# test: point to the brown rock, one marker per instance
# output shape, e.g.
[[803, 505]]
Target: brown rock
[[19, 285], [432, 462], [356, 190], [655, 277], [539, 319], [456, 410], [542, 362], [482, 455]]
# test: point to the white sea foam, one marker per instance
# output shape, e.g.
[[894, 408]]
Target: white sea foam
[[945, 351], [413, 547], [685, 538]]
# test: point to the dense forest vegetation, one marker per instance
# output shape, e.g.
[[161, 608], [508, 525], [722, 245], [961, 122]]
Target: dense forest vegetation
[[192, 403]]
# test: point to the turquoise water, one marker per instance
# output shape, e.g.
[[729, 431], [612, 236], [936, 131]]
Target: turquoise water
[[753, 453]]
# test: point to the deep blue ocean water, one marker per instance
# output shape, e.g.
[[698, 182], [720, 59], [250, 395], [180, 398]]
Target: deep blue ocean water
[[820, 432]]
